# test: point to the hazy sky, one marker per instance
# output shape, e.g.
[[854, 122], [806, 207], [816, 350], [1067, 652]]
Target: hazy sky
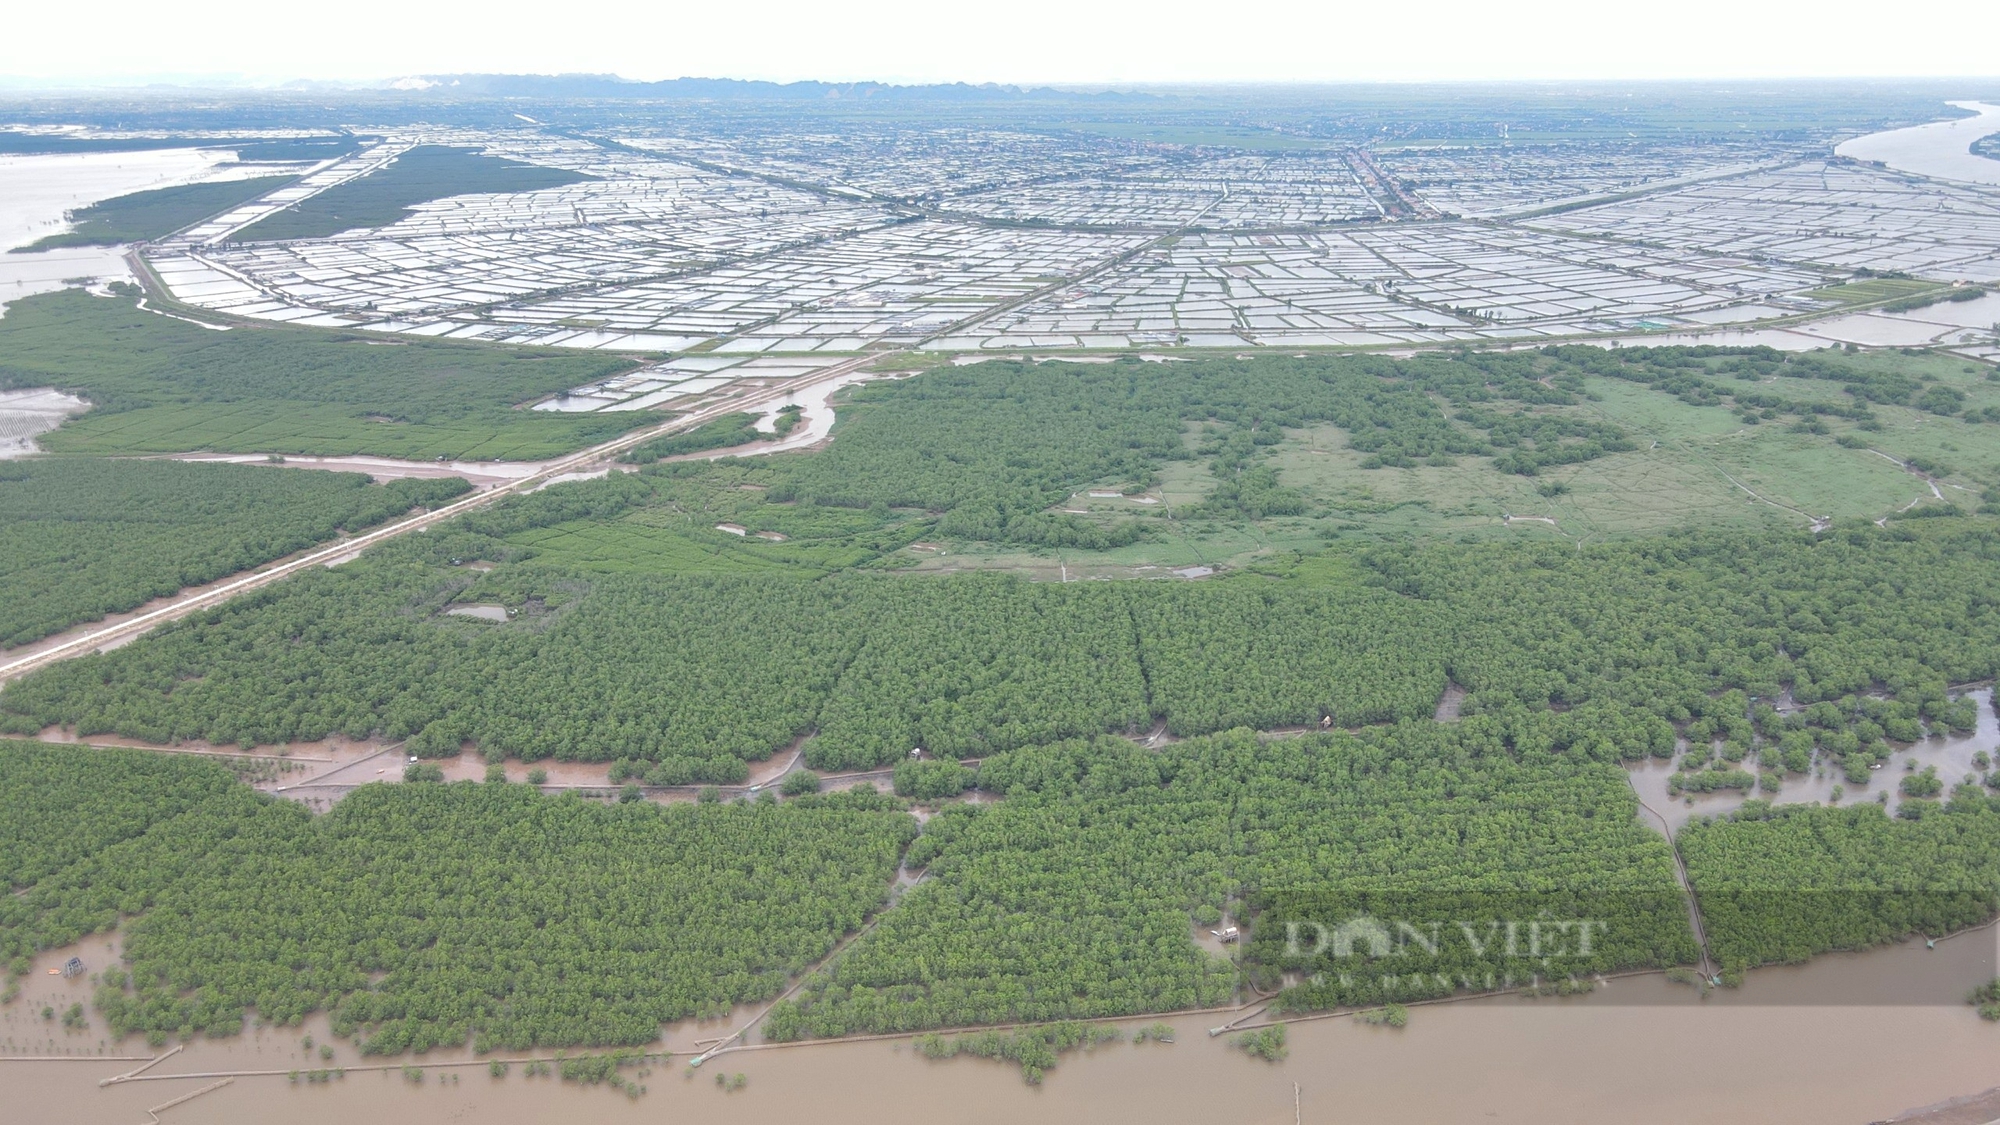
[[1037, 41]]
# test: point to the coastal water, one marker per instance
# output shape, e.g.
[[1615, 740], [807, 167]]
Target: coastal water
[[36, 191]]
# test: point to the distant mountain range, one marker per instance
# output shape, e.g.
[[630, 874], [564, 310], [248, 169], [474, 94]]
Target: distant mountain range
[[711, 89]]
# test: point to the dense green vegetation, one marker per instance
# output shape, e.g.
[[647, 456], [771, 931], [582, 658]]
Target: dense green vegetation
[[1078, 885], [87, 836], [1328, 645], [930, 780], [82, 538], [1072, 898], [387, 195], [281, 149], [695, 673], [965, 667], [1781, 884], [992, 446], [160, 385], [991, 453], [726, 432], [157, 213], [995, 452], [426, 914], [1697, 376], [62, 807]]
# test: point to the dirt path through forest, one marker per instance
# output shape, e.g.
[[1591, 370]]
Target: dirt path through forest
[[97, 636]]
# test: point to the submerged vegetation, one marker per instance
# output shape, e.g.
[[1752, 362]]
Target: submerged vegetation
[[1036, 1049], [1267, 1043], [1388, 1015], [1987, 999]]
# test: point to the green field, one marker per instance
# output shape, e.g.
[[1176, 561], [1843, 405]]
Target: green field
[[154, 214], [161, 385], [420, 175], [1870, 290]]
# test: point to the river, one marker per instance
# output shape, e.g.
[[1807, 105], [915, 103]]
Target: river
[[1940, 149]]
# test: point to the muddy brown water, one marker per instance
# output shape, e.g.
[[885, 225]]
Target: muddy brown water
[[1951, 754], [1638, 1050]]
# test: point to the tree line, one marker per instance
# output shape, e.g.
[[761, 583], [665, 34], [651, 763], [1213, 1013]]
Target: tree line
[[697, 674]]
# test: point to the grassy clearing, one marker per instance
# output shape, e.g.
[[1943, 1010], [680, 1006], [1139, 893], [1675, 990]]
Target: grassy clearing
[[1680, 474], [1871, 289], [628, 545], [420, 175], [667, 520], [161, 385]]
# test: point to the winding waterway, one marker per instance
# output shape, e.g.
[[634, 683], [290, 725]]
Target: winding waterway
[[1940, 149]]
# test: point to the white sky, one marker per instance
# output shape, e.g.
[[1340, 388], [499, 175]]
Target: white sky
[[1025, 41]]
